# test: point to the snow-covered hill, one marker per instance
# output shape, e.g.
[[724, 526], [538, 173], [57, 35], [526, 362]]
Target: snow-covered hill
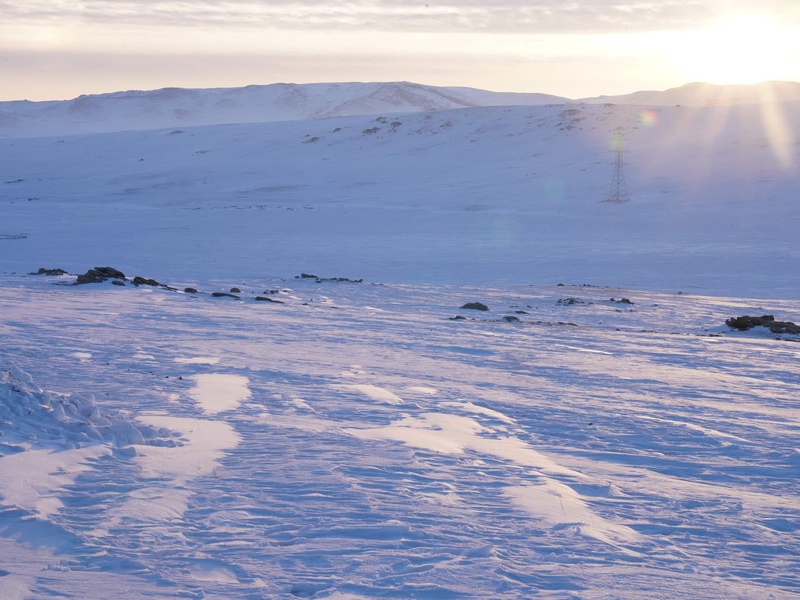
[[707, 94], [178, 107], [481, 195]]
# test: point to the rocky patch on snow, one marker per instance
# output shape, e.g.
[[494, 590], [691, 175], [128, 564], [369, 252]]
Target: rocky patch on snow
[[326, 279], [569, 301], [746, 322], [50, 272], [475, 306], [99, 275]]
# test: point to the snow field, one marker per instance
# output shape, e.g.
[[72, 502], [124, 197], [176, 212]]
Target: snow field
[[366, 445]]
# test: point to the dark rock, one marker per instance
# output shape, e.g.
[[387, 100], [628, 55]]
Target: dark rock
[[458, 318], [784, 327], [235, 290], [100, 274], [570, 301], [339, 279], [322, 279], [271, 291], [475, 306], [521, 312], [190, 290], [747, 322], [144, 281], [224, 295], [268, 299], [621, 301], [118, 282], [560, 285], [511, 319], [43, 271]]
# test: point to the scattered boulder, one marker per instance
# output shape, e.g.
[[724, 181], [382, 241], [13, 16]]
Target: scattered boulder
[[235, 290], [118, 282], [475, 306], [511, 319], [621, 301], [339, 279], [190, 290], [570, 301], [43, 271], [324, 279], [747, 322], [268, 299], [144, 281], [99, 275], [224, 295], [458, 318]]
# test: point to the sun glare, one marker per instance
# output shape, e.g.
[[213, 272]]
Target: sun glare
[[739, 50]]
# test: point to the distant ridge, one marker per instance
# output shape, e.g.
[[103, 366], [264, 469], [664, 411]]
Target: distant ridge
[[708, 94], [180, 107]]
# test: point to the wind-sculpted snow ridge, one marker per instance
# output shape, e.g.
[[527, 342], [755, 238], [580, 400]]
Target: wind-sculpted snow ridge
[[355, 442], [43, 419]]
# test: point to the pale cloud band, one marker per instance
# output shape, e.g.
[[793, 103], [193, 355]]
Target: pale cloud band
[[496, 16], [62, 48]]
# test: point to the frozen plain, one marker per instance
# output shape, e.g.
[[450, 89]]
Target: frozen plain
[[354, 441]]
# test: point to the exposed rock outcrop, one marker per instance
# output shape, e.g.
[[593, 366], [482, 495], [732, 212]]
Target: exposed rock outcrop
[[51, 272], [475, 306], [99, 275], [747, 322]]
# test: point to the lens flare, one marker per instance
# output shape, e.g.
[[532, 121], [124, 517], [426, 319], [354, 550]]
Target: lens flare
[[648, 118]]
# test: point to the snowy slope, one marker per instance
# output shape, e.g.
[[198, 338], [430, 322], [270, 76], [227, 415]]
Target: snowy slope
[[178, 107], [708, 94], [482, 195]]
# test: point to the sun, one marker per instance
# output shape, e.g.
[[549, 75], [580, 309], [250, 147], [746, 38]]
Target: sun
[[739, 50]]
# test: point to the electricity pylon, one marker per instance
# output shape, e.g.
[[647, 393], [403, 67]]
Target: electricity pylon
[[619, 191]]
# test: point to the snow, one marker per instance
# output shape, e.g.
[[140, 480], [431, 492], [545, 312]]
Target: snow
[[635, 453], [178, 107], [217, 392], [707, 94], [481, 195], [356, 440]]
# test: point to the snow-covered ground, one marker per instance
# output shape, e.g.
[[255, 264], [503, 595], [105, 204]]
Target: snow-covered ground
[[372, 439], [355, 441]]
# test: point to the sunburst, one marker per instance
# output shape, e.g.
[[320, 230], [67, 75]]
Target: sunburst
[[739, 50]]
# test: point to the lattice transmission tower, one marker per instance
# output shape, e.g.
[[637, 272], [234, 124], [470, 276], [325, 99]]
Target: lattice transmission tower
[[619, 190]]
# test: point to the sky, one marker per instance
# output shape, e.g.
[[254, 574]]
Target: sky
[[59, 49]]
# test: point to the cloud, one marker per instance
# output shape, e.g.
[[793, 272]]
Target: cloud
[[494, 16]]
